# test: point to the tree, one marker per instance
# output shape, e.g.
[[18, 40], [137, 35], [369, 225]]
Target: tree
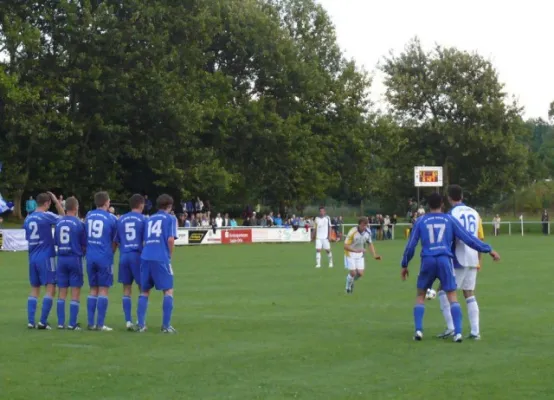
[[454, 112]]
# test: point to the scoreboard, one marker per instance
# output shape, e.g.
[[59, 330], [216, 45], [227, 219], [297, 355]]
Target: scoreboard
[[427, 176]]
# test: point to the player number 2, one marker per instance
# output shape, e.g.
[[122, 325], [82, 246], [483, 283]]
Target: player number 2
[[431, 228], [130, 231], [95, 228], [469, 223], [155, 227], [64, 235], [34, 231]]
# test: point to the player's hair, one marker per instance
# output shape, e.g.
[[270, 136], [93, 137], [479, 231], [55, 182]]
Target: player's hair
[[363, 220], [71, 204], [164, 201], [101, 198], [136, 201], [322, 207], [455, 192], [42, 199], [435, 201]]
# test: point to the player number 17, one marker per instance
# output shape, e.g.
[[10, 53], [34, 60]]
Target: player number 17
[[431, 228]]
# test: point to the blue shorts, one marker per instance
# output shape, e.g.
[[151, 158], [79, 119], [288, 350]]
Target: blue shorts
[[42, 272], [100, 273], [441, 268], [129, 268], [155, 274], [70, 272]]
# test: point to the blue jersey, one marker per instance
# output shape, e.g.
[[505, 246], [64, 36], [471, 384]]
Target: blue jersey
[[159, 228], [101, 229], [130, 228], [437, 232], [38, 232], [70, 237]]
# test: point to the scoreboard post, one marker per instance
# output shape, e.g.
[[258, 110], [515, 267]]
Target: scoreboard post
[[427, 177]]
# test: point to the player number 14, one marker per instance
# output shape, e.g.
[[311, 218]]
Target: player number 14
[[155, 227]]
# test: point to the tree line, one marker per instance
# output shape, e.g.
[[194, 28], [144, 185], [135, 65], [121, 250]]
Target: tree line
[[243, 100]]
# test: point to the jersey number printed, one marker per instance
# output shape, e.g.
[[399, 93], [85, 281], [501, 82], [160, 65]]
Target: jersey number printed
[[130, 231], [95, 228], [469, 223], [155, 227], [440, 234], [34, 231], [64, 235]]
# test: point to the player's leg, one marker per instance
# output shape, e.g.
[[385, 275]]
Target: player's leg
[[146, 284], [92, 299], [318, 247], [125, 277], [327, 248], [62, 279], [32, 300], [447, 279], [446, 312], [162, 275], [349, 263], [48, 272], [468, 288], [105, 282], [426, 277], [76, 281]]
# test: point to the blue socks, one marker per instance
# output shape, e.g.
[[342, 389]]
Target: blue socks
[[102, 310], [456, 312], [46, 307], [419, 310], [61, 312], [31, 309], [167, 310], [73, 313], [91, 309], [141, 310], [127, 308]]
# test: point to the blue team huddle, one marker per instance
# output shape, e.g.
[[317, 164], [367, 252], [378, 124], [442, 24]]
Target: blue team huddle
[[145, 245]]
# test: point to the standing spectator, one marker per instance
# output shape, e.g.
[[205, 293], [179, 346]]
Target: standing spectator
[[545, 218], [205, 222], [247, 221], [233, 223], [278, 220], [30, 205], [182, 219], [193, 221], [496, 224], [263, 221], [387, 228], [62, 201], [254, 219], [147, 205], [226, 220], [218, 221], [199, 205]]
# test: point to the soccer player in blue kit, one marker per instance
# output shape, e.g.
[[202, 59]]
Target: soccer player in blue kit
[[42, 257], [130, 228], [70, 238], [159, 240], [437, 232], [101, 232]]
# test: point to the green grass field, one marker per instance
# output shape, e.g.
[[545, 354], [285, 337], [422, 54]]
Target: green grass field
[[260, 322]]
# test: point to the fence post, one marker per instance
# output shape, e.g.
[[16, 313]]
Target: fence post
[[509, 229]]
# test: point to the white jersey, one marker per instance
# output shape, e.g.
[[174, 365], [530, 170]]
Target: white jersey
[[357, 241], [322, 227], [471, 221]]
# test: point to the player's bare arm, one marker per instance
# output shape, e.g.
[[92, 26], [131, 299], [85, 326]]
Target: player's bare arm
[[373, 252], [57, 203], [171, 245]]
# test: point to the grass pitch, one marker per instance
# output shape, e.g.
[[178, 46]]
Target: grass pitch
[[260, 322]]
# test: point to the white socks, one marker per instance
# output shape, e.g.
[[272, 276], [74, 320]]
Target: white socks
[[349, 281], [445, 309], [473, 315], [318, 258], [330, 259]]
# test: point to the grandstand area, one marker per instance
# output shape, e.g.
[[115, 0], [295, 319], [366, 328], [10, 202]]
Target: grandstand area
[[259, 322]]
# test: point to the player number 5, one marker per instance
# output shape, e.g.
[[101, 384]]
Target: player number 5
[[130, 231]]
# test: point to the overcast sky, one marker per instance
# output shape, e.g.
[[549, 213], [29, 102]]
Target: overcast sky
[[517, 36]]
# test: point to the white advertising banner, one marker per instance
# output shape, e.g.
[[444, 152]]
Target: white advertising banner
[[280, 235], [14, 240], [183, 237]]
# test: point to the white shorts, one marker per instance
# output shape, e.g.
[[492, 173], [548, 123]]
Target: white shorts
[[466, 278], [351, 263], [322, 244]]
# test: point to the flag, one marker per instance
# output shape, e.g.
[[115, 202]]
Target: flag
[[5, 206]]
